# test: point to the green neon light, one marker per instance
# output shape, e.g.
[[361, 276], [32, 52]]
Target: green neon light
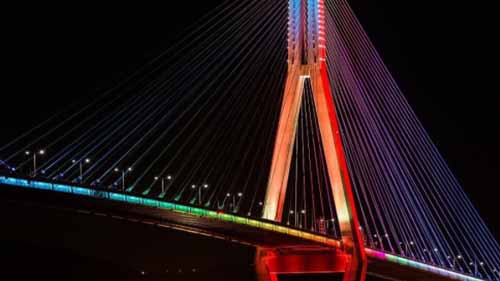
[[82, 191], [132, 199]]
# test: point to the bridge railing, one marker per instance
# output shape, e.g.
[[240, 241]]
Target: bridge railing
[[170, 206], [218, 215]]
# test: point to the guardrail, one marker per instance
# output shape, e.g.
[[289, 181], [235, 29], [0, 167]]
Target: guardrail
[[419, 265], [132, 199]]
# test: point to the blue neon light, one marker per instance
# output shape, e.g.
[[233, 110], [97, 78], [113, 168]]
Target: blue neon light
[[78, 190]]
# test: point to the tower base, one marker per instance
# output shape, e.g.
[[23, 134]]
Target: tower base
[[271, 262]]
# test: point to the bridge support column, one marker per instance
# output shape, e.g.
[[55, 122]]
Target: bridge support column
[[307, 60], [270, 262]]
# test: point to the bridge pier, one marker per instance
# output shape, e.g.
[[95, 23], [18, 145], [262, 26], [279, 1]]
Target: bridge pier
[[270, 262]]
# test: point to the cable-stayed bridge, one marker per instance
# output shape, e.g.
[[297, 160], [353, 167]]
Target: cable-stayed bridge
[[277, 124]]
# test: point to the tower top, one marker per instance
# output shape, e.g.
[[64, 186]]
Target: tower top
[[306, 32]]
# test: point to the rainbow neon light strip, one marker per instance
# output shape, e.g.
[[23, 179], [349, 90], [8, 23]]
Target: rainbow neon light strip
[[82, 191], [422, 266]]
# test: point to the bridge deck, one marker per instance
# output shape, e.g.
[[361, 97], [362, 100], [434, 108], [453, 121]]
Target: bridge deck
[[186, 220], [219, 225]]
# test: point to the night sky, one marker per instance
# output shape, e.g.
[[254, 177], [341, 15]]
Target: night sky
[[442, 53]]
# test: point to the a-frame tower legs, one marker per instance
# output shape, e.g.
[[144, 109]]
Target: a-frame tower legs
[[334, 156], [283, 147]]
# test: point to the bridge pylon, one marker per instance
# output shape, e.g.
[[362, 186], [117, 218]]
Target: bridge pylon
[[307, 61]]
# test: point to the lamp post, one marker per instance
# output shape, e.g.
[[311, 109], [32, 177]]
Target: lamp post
[[205, 186], [200, 187], [429, 255], [224, 201], [476, 267], [124, 173], [234, 200], [303, 212], [405, 250], [261, 204], [80, 163], [454, 260], [40, 152], [332, 222], [168, 177], [481, 264], [290, 213]]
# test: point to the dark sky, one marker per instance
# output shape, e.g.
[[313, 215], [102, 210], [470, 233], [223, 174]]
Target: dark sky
[[442, 53]]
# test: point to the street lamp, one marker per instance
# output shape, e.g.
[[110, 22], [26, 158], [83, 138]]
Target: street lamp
[[81, 162], [203, 186], [123, 172], [234, 200], [290, 213], [40, 152], [168, 177], [233, 197], [303, 212], [404, 248], [476, 266], [332, 222], [429, 254], [225, 198], [454, 260]]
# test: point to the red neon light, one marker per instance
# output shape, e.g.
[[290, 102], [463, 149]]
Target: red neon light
[[357, 238]]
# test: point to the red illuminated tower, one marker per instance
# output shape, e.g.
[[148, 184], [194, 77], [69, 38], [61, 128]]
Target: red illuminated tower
[[307, 61]]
